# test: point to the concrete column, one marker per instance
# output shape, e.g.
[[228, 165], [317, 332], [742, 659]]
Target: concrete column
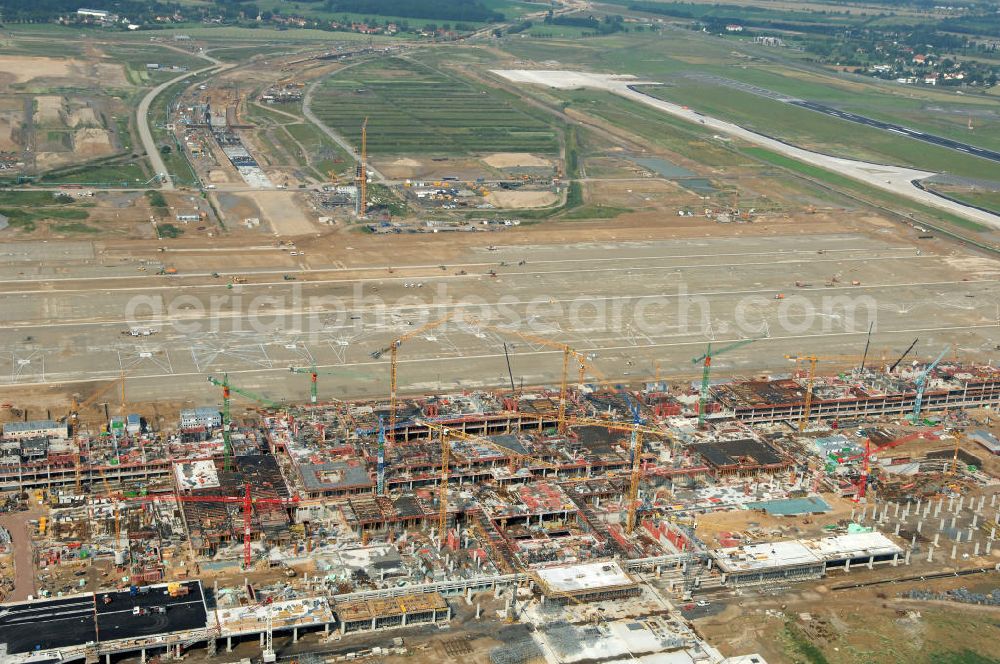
[[229, 644], [936, 537], [961, 504], [262, 639], [937, 508], [326, 628], [343, 627], [852, 513], [479, 610], [958, 536], [930, 555], [107, 658], [847, 565], [895, 560], [993, 500], [920, 503], [295, 632], [896, 510], [953, 520], [906, 560], [896, 532], [913, 542], [975, 549], [989, 547], [920, 525], [993, 532], [970, 534], [373, 624], [954, 551], [941, 527], [982, 501], [871, 562], [142, 656], [975, 520]]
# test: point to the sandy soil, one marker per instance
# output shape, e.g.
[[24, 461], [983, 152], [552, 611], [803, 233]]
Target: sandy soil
[[218, 176], [522, 199], [282, 209], [50, 110], [85, 117], [24, 68], [91, 142], [513, 159]]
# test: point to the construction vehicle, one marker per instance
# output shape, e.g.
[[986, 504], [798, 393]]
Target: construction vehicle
[[177, 589]]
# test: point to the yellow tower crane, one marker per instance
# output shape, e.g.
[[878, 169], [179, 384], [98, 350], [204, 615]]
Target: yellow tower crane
[[363, 171], [393, 350], [811, 379], [567, 352]]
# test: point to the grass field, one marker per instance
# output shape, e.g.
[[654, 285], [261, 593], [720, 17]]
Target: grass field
[[25, 209], [412, 109], [674, 55]]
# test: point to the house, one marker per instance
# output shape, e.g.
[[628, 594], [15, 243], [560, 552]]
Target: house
[[734, 27]]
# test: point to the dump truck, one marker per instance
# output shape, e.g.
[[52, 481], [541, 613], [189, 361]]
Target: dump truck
[[177, 589]]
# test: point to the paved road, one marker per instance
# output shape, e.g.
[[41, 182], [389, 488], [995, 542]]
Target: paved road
[[142, 120], [334, 136], [992, 155]]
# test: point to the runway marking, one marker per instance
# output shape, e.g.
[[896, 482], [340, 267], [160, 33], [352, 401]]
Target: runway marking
[[274, 314], [451, 277], [106, 375]]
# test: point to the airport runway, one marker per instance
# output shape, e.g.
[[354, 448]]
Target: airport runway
[[627, 306], [992, 155]]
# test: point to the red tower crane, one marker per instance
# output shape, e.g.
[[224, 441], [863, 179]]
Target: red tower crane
[[247, 501], [870, 452]]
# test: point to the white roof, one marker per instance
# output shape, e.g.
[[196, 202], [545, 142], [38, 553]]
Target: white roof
[[588, 576], [803, 552]]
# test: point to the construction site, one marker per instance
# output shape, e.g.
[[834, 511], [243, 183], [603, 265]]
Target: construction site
[[327, 521], [488, 348]]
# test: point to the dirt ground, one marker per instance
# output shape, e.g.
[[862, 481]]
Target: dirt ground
[[284, 211], [522, 199], [861, 625], [23, 68], [514, 159]]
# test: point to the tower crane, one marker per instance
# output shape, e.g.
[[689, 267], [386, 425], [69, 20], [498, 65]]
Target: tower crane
[[922, 384], [635, 449], [905, 353], [871, 452], [393, 350], [445, 434], [314, 374], [706, 360], [567, 352], [362, 172], [380, 470], [227, 389], [247, 501], [811, 380]]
